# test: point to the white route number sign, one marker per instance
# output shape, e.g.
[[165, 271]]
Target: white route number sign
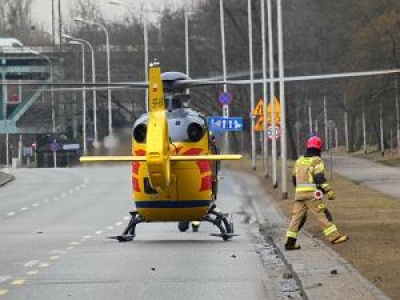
[[270, 131]]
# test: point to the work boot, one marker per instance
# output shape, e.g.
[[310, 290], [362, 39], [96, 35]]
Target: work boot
[[291, 244], [340, 239]]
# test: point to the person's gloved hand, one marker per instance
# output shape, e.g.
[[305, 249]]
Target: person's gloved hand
[[331, 195]]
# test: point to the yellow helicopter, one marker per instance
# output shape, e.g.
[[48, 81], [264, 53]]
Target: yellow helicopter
[[174, 161]]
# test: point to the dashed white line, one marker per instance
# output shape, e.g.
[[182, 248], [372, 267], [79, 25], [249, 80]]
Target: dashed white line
[[4, 278], [71, 192], [119, 223], [31, 263], [24, 208], [99, 232], [11, 214], [126, 218], [46, 201], [110, 227], [35, 204]]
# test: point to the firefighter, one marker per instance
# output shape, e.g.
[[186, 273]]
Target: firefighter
[[311, 184]]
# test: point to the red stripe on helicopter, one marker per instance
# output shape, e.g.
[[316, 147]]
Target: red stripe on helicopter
[[204, 166], [135, 183], [193, 151], [136, 164], [206, 183]]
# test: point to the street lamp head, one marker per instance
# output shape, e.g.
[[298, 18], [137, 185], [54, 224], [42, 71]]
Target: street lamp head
[[68, 37], [72, 42]]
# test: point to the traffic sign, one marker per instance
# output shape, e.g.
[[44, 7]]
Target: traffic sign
[[225, 98], [270, 131], [54, 146], [259, 109], [259, 125], [277, 107], [225, 123]]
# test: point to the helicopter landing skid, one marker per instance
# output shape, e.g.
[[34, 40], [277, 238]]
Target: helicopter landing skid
[[219, 219], [129, 232]]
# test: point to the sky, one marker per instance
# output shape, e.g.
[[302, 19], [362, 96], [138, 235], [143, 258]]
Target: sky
[[41, 9]]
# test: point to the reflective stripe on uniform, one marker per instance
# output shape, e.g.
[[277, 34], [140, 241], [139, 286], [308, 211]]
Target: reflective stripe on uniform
[[321, 206], [306, 187], [331, 229], [291, 234]]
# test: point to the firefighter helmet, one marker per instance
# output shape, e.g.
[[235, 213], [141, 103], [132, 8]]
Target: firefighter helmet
[[315, 142]]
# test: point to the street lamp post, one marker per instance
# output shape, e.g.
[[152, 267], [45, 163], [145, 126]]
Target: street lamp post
[[250, 33], [102, 27], [72, 42], [96, 140]]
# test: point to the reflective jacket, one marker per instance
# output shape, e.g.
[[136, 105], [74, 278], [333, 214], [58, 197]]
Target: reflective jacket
[[308, 177]]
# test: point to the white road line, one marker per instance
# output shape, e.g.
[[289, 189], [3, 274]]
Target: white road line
[[56, 198], [3, 292], [119, 223], [4, 278], [63, 195], [58, 251], [11, 214], [31, 263], [24, 208], [87, 237], [71, 192], [99, 232], [77, 188], [110, 227], [126, 218], [36, 204], [46, 201]]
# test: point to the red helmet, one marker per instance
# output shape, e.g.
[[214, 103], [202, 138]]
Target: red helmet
[[315, 142]]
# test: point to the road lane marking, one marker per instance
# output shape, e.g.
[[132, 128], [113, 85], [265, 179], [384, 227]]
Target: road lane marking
[[19, 281], [58, 251], [44, 265], [11, 214], [56, 198], [74, 243], [54, 257], [46, 201], [3, 292], [24, 208], [4, 278], [32, 273], [71, 192], [63, 195], [126, 218], [35, 204], [87, 237], [119, 223], [99, 232], [77, 188], [70, 248], [110, 227], [31, 263]]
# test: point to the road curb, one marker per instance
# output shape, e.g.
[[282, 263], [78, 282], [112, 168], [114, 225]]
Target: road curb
[[5, 178]]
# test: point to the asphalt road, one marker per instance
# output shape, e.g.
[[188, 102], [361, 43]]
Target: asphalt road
[[53, 228]]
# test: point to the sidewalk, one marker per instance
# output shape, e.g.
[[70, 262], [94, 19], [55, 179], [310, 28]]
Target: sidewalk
[[374, 175]]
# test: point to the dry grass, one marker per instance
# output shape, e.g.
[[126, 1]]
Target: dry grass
[[368, 217]]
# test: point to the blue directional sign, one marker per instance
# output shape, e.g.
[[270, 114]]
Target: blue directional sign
[[225, 123]]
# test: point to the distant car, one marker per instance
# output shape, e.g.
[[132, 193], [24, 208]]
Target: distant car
[[6, 42]]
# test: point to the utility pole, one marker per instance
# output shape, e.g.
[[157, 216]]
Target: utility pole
[[346, 123], [364, 131], [283, 103], [272, 93], [326, 125], [264, 68], [253, 134]]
